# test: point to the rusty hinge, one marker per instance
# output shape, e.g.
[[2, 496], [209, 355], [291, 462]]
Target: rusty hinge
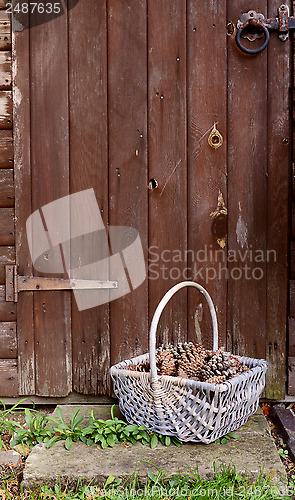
[[253, 25], [16, 284]]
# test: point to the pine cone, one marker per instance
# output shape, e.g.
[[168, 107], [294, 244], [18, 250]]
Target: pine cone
[[216, 379], [166, 362]]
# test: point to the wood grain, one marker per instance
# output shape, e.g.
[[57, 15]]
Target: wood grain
[[292, 299], [23, 203], [8, 378], [7, 256], [127, 112], [6, 149], [89, 169], [247, 194], [5, 109], [291, 376], [5, 31], [7, 309], [168, 161], [50, 181], [5, 70], [8, 342], [207, 167], [291, 329], [6, 226], [279, 140], [6, 188]]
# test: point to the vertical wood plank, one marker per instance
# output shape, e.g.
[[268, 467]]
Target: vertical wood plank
[[247, 194], [23, 205], [279, 166], [127, 107], [89, 169], [167, 161], [207, 167], [50, 181]]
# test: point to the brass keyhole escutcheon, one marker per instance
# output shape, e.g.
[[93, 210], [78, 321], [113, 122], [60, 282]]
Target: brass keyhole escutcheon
[[215, 138]]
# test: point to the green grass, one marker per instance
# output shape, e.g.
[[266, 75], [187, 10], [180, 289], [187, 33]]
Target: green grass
[[225, 484]]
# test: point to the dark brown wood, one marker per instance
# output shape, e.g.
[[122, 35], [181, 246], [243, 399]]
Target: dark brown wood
[[7, 256], [5, 109], [7, 309], [128, 182], [89, 169], [291, 375], [6, 149], [207, 169], [247, 192], [50, 181], [291, 329], [5, 31], [293, 221], [292, 299], [6, 226], [8, 378], [23, 202], [293, 176], [279, 139], [5, 70], [167, 161], [8, 342], [6, 188], [292, 260]]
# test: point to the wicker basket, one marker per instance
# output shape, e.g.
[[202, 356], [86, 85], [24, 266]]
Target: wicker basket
[[190, 410]]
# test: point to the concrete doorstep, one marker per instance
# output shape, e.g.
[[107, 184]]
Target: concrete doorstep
[[253, 451]]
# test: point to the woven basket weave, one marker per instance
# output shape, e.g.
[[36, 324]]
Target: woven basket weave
[[190, 410]]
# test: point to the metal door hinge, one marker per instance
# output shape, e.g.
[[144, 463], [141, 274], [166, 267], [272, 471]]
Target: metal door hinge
[[16, 284], [253, 25]]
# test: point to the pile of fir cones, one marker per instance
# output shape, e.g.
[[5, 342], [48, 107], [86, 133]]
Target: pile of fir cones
[[193, 361]]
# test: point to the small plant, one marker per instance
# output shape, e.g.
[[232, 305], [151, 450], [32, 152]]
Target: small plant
[[4, 414], [69, 433], [283, 452], [225, 439], [35, 431]]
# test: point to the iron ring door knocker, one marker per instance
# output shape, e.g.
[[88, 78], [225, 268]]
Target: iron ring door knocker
[[253, 25]]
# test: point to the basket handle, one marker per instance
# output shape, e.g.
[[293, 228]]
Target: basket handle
[[159, 311]]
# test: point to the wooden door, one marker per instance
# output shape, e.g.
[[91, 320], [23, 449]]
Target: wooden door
[[121, 97]]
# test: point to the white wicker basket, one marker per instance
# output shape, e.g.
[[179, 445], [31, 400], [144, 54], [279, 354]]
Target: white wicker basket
[[190, 410]]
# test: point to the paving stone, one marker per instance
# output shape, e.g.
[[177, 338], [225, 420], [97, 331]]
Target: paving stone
[[253, 451], [10, 457]]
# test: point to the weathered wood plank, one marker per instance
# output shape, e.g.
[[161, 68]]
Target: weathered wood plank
[[278, 78], [5, 31], [291, 329], [292, 261], [6, 188], [247, 194], [7, 309], [23, 206], [6, 226], [5, 109], [7, 256], [127, 101], [207, 104], [89, 169], [50, 181], [6, 149], [168, 160], [3, 4], [5, 70], [8, 342], [292, 299], [291, 376], [8, 378]]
